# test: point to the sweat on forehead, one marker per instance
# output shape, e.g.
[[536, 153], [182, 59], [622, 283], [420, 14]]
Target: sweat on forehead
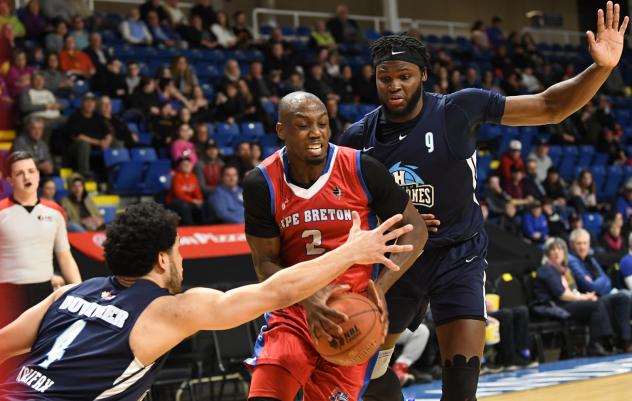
[[298, 101]]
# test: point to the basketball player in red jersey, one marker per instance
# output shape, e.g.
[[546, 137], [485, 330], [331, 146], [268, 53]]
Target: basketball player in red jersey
[[298, 205]]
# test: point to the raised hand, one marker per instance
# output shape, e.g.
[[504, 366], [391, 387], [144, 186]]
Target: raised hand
[[606, 49]]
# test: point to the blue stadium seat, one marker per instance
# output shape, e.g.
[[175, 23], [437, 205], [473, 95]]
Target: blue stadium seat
[[226, 129], [126, 178], [107, 213], [364, 109], [158, 177], [143, 154], [303, 31], [372, 35], [488, 132], [145, 138], [593, 222], [80, 87], [115, 156], [348, 111], [586, 150], [254, 129], [287, 30], [227, 150], [60, 190], [268, 140], [117, 105], [612, 183], [268, 150], [601, 159], [270, 110], [584, 160]]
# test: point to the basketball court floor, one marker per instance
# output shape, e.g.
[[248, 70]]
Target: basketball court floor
[[584, 379]]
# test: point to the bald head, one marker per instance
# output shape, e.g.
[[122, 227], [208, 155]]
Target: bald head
[[296, 102]]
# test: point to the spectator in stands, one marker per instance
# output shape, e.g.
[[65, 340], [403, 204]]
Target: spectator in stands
[[242, 159], [88, 131], [81, 211], [495, 197], [163, 126], [583, 192], [134, 30], [230, 106], [19, 75], [41, 103], [335, 123], [623, 204], [145, 98], [626, 269], [456, 83], [478, 35], [590, 277], [277, 60], [199, 105], [316, 83], [530, 81], [612, 243], [185, 196], [65, 9], [170, 95], [54, 79], [534, 224], [541, 156], [556, 221], [343, 28], [509, 221], [343, 85], [227, 199], [332, 64], [184, 116], [182, 146], [495, 33], [48, 189], [7, 43], [79, 33], [259, 86], [55, 40], [7, 18], [256, 153], [472, 79], [174, 13], [515, 188], [34, 144], [555, 287], [161, 33], [122, 133], [200, 37], [241, 31], [532, 185], [155, 6], [35, 24], [116, 83], [212, 165], [555, 187], [321, 37], [133, 76], [100, 58], [511, 158], [611, 145], [74, 61], [490, 83], [204, 9], [200, 139], [365, 87], [253, 111], [225, 36], [183, 75]]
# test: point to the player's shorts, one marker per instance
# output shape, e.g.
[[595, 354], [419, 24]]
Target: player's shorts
[[451, 279], [285, 341]]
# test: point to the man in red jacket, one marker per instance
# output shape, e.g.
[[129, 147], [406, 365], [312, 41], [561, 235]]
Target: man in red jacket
[[185, 196]]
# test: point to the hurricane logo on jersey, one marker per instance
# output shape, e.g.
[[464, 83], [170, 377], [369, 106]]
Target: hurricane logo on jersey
[[420, 193]]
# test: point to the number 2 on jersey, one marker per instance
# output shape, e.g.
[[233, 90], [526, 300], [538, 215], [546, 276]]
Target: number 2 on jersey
[[312, 248], [63, 342]]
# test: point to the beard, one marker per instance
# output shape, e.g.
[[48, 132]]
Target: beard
[[410, 106], [174, 285]]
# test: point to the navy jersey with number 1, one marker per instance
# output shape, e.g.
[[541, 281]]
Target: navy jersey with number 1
[[82, 350]]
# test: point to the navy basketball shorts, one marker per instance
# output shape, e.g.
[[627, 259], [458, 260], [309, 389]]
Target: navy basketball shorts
[[451, 279]]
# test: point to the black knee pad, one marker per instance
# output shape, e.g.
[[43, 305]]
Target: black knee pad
[[385, 388], [460, 379]]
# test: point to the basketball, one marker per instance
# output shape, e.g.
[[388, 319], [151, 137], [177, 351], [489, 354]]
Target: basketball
[[363, 332]]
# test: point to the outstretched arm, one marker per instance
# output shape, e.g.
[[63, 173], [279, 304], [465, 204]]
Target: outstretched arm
[[564, 98]]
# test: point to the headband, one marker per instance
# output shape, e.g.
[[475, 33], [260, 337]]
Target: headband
[[402, 54]]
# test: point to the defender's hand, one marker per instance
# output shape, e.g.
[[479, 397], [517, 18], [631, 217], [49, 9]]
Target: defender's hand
[[432, 223], [606, 49], [376, 295]]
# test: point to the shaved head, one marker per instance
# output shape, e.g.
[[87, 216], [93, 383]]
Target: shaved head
[[292, 104]]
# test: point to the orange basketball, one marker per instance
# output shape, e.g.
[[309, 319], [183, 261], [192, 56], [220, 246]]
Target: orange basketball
[[363, 332]]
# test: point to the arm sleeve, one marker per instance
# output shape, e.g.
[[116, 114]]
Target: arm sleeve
[[27, 106], [259, 220], [387, 198], [579, 274], [553, 282], [527, 226], [465, 111]]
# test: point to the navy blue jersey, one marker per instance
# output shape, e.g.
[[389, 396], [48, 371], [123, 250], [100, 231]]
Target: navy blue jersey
[[434, 157], [82, 349]]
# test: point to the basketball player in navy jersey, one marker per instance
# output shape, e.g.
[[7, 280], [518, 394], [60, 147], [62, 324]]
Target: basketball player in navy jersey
[[428, 142], [106, 339]]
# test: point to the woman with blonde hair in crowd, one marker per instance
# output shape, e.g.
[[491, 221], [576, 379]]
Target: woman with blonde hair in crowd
[[183, 75]]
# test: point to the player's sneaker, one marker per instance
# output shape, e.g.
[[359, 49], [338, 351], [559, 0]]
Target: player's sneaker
[[401, 370]]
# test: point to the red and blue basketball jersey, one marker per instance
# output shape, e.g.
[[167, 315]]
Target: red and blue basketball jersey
[[317, 219]]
